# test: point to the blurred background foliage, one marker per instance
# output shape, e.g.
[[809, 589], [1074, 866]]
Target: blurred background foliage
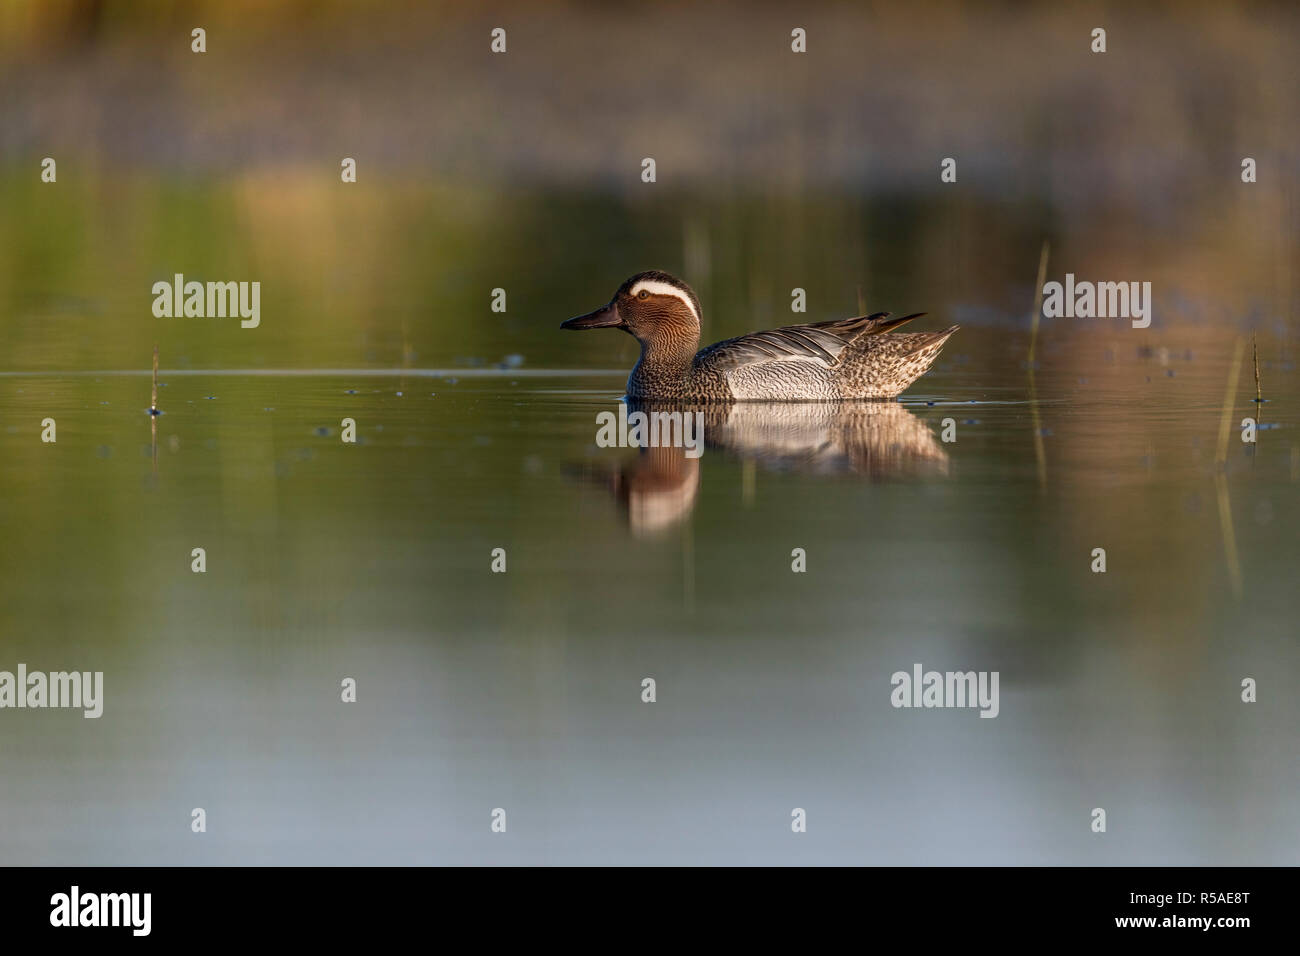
[[522, 170]]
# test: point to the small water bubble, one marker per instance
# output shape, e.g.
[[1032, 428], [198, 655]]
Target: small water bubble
[[211, 398], [323, 431], [399, 394], [350, 391]]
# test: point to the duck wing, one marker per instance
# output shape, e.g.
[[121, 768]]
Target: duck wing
[[820, 342]]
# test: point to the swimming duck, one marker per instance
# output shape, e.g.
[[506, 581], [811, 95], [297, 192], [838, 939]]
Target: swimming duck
[[825, 361]]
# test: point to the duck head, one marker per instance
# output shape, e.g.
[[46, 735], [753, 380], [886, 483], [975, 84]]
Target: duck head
[[658, 309]]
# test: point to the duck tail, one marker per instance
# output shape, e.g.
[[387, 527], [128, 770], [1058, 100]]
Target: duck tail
[[882, 366], [920, 341]]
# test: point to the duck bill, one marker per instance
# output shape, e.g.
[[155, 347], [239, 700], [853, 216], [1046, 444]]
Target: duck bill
[[606, 317]]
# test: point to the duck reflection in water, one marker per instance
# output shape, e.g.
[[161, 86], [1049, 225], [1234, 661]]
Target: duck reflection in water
[[874, 441]]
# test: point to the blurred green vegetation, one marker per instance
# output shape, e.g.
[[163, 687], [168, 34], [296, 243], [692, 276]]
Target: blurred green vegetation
[[386, 275], [522, 171]]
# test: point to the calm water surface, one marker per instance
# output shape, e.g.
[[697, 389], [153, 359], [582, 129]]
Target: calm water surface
[[522, 690]]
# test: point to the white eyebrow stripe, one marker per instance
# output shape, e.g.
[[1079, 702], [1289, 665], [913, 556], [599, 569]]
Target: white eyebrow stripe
[[655, 287]]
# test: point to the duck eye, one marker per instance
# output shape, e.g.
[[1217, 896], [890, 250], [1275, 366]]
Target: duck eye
[[643, 294]]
